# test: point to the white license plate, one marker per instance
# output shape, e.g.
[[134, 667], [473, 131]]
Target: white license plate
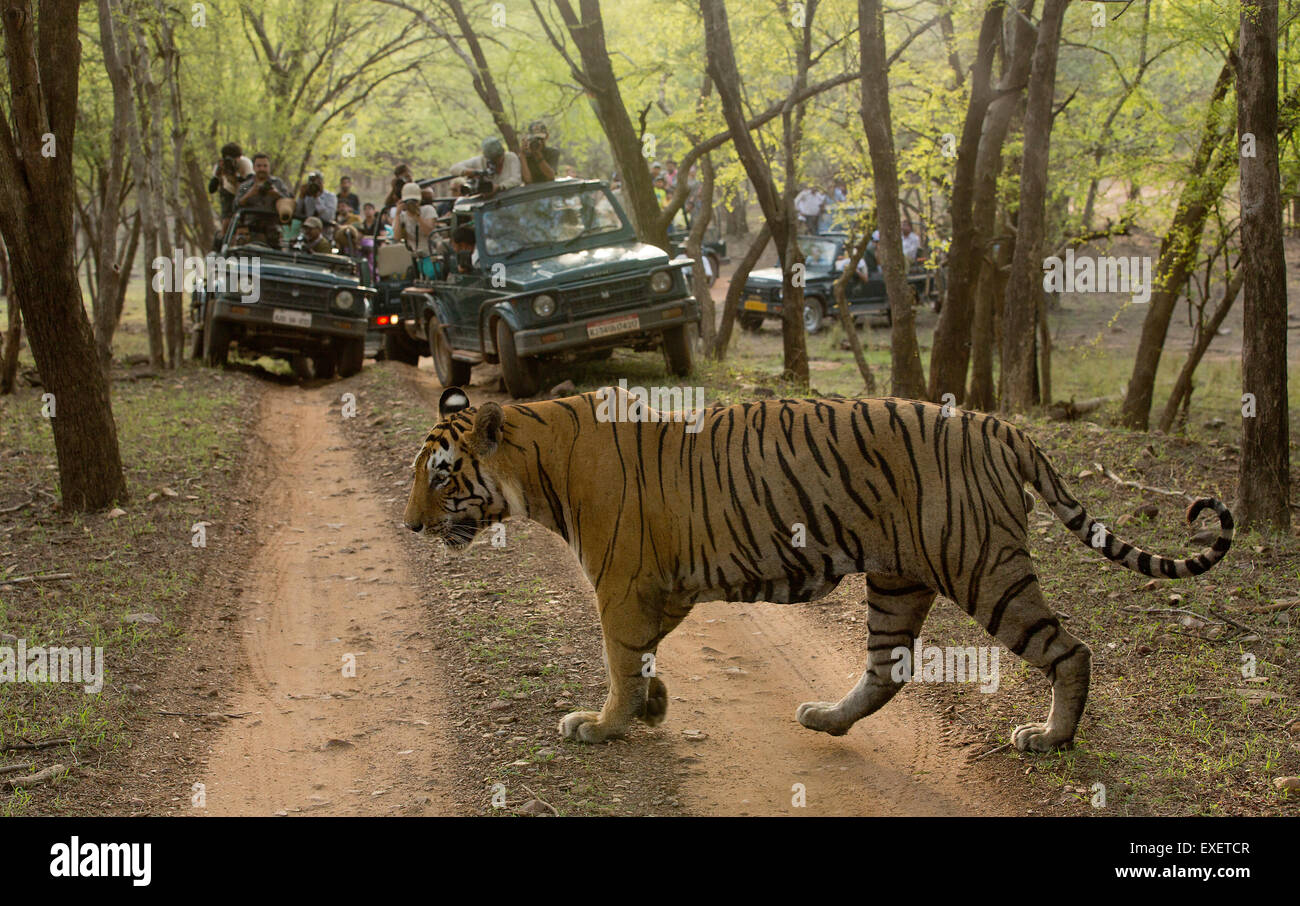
[[612, 326], [291, 317]]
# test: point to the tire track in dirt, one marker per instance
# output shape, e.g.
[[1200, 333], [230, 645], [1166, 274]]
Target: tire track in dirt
[[737, 672], [328, 580]]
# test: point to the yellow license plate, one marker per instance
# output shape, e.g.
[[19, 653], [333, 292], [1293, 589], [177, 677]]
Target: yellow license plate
[[755, 305]]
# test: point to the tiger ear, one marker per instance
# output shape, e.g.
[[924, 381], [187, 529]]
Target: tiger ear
[[453, 400], [487, 428]]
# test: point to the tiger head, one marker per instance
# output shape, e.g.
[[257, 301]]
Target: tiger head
[[455, 493]]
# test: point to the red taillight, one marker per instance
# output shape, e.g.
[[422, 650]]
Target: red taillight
[[385, 320]]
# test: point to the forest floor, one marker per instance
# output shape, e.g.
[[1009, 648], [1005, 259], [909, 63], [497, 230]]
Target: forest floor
[[316, 657]]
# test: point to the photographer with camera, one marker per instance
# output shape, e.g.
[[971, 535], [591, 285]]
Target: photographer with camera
[[495, 170], [227, 174], [540, 162], [259, 194], [314, 200]]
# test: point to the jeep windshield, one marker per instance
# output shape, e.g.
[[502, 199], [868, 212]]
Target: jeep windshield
[[555, 221], [819, 254]]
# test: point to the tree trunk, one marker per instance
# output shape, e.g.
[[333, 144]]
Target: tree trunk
[[699, 280], [736, 288], [1264, 479], [109, 276], [726, 78], [144, 190], [1180, 248], [37, 198], [596, 75], [1024, 282], [846, 317], [12, 342], [200, 203], [484, 85], [950, 354], [1183, 385], [907, 379], [1018, 42]]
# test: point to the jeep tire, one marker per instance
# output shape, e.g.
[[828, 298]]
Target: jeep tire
[[398, 347], [350, 356], [678, 355], [520, 373], [451, 373]]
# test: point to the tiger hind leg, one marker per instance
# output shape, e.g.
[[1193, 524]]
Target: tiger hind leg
[[896, 609], [1018, 616]]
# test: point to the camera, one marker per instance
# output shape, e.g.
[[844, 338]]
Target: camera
[[536, 143], [477, 184], [229, 166]]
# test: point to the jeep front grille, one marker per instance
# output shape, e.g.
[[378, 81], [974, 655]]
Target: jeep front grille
[[295, 295], [612, 295]]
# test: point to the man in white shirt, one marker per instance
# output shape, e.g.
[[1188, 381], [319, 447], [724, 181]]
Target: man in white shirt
[[498, 165], [415, 220], [911, 241], [809, 205]]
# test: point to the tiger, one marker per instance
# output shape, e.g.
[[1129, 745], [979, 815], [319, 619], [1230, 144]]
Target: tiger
[[661, 514]]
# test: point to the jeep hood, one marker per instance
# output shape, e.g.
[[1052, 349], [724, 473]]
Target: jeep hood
[[582, 265], [294, 267]]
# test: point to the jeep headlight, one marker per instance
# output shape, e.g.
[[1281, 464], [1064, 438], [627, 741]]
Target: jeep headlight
[[343, 300], [544, 306], [661, 282]]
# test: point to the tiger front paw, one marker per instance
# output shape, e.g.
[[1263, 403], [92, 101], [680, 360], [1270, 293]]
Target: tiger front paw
[[586, 726], [1040, 738]]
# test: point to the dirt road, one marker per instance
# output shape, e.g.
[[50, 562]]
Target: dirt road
[[326, 590]]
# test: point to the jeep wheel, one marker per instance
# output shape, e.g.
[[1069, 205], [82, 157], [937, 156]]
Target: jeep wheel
[[326, 364], [196, 343], [399, 348], [677, 351], [814, 312], [302, 369], [351, 356], [216, 343], [750, 323], [713, 268], [521, 374], [451, 373]]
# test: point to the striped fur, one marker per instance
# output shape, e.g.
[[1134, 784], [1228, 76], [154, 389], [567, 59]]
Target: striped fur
[[661, 518]]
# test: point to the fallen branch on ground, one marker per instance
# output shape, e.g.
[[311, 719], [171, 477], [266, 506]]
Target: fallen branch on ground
[[53, 772], [48, 577]]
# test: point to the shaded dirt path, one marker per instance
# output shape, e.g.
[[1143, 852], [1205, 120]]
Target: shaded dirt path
[[328, 581]]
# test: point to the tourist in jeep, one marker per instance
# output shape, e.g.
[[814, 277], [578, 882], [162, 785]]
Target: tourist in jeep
[[416, 220], [496, 169], [259, 194], [311, 238], [465, 246]]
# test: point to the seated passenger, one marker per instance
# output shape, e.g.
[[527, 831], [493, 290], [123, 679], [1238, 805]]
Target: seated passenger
[[464, 244], [311, 238]]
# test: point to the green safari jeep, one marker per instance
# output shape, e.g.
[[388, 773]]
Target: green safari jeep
[[291, 304], [555, 274]]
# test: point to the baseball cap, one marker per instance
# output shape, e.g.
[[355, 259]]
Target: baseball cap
[[411, 192], [492, 146]]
